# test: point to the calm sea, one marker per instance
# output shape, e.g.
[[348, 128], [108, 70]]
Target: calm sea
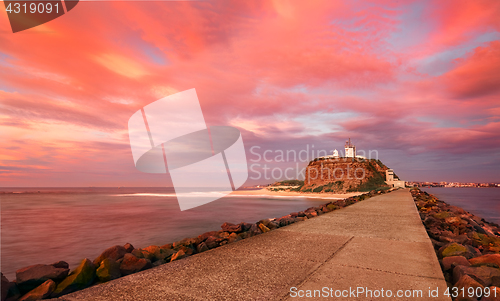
[[45, 225], [483, 202]]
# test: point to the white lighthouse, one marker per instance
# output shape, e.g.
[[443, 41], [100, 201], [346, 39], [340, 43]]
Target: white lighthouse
[[350, 149]]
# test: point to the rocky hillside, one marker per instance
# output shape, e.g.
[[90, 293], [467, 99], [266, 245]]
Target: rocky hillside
[[343, 175]]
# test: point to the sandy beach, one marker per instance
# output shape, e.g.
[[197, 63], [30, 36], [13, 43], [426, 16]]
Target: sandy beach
[[266, 192]]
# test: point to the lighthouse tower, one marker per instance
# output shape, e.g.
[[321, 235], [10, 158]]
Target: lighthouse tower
[[350, 149]]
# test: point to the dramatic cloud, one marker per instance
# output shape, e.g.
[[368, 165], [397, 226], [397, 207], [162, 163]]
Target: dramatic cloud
[[416, 81]]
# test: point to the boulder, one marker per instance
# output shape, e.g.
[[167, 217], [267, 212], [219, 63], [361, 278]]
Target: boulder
[[445, 239], [462, 239], [4, 286], [473, 252], [149, 252], [331, 207], [286, 221], [158, 262], [212, 242], [137, 253], [494, 294], [457, 210], [206, 235], [254, 230], [12, 291], [80, 278], [486, 259], [188, 242], [437, 244], [167, 246], [224, 235], [482, 274], [477, 219], [128, 247], [453, 220], [432, 222], [245, 226], [263, 228], [40, 292], [132, 264], [243, 235], [179, 255], [202, 247], [233, 237], [447, 234], [492, 250], [269, 224], [442, 215], [30, 277], [454, 249], [188, 251], [148, 256], [311, 214], [477, 227], [452, 261], [108, 270], [164, 254], [228, 227], [115, 253], [466, 281], [61, 265]]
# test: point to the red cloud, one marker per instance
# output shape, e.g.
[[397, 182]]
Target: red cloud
[[477, 75], [270, 66]]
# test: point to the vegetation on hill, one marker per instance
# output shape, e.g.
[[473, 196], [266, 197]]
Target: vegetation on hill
[[288, 183], [344, 175], [376, 181], [338, 175]]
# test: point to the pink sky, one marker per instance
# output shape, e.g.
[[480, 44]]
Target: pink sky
[[417, 81]]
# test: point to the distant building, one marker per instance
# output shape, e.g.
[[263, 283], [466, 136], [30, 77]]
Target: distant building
[[332, 156], [389, 175], [350, 149], [393, 181], [350, 152]]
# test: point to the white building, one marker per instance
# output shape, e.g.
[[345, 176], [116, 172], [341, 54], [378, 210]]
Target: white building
[[393, 181], [332, 156], [350, 152], [350, 149]]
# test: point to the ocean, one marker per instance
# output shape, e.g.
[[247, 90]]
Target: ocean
[[45, 225], [483, 202]]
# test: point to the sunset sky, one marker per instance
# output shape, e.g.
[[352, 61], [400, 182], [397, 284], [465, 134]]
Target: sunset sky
[[419, 82]]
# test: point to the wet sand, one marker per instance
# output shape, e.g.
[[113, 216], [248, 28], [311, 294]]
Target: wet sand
[[266, 192]]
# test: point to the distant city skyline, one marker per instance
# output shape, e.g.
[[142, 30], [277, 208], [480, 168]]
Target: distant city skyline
[[452, 184], [416, 81]]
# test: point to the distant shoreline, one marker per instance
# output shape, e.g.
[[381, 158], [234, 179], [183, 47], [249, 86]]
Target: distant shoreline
[[267, 192]]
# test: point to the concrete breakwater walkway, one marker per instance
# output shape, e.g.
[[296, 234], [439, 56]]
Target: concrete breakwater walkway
[[365, 251]]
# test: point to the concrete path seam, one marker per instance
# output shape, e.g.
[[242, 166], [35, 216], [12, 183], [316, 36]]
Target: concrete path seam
[[308, 276], [391, 272]]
